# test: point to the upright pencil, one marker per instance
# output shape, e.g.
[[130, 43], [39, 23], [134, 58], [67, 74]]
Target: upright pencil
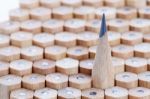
[[103, 73]]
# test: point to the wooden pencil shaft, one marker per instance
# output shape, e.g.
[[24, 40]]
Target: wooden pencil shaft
[[127, 13], [103, 73], [86, 66], [116, 3], [21, 93], [87, 39], [144, 79], [9, 83], [132, 38], [4, 92], [43, 40], [136, 3], [9, 27], [66, 39], [21, 39], [93, 3], [50, 4], [19, 15], [93, 93], [116, 93], [118, 25], [44, 66], [45, 93], [40, 13], [126, 80], [80, 81], [139, 93], [62, 13], [114, 38], [146, 38], [57, 81], [29, 4], [69, 93], [69, 3]]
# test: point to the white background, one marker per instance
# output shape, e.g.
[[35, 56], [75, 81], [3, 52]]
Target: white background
[[5, 7]]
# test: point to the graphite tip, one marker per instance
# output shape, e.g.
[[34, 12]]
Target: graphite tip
[[103, 29]]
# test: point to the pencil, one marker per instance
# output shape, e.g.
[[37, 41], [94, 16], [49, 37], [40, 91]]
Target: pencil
[[103, 73]]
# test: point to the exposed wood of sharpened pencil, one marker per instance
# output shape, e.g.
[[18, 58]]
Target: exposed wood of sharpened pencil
[[4, 92], [103, 73]]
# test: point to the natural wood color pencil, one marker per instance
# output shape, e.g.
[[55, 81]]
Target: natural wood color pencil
[[103, 73]]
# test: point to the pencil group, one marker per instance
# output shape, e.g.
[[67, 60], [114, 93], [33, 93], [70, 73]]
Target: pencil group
[[49, 50]]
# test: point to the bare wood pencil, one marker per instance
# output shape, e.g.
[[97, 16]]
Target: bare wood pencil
[[103, 73]]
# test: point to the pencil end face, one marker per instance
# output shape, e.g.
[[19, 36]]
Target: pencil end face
[[103, 27]]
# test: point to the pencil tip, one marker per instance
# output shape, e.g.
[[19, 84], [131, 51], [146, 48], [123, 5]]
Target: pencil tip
[[103, 26]]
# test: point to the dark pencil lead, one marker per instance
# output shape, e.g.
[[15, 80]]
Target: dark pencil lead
[[103, 27]]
